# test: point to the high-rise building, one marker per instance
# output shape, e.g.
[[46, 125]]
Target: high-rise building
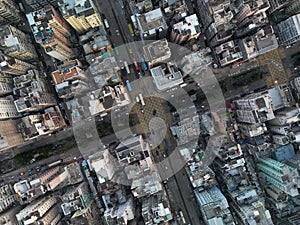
[[277, 4], [214, 206], [288, 30], [245, 204], [6, 82], [284, 177], [6, 197], [78, 202], [10, 135], [16, 43], [39, 4], [7, 108], [32, 92], [255, 108], [283, 9], [81, 15], [51, 32], [44, 211], [14, 66], [69, 79], [9, 12]]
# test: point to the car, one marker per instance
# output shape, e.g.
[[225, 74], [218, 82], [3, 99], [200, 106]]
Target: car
[[22, 173]]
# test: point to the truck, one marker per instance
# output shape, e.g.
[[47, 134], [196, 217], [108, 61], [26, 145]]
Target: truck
[[130, 29], [145, 67], [142, 99], [128, 85], [106, 23]]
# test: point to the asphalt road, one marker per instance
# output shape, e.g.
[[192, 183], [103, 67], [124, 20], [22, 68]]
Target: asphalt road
[[106, 10], [181, 192]]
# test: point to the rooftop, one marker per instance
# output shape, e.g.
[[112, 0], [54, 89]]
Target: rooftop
[[76, 7], [149, 22], [190, 24], [166, 76], [157, 51]]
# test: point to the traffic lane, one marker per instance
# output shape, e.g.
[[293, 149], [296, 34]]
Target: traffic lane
[[123, 19], [67, 156], [61, 135], [189, 197], [106, 9], [185, 190]]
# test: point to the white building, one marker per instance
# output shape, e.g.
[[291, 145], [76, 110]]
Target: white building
[[8, 108], [120, 213], [186, 30], [43, 210], [156, 210], [5, 84], [255, 108], [32, 92], [104, 164], [6, 197], [166, 76], [157, 52], [150, 22]]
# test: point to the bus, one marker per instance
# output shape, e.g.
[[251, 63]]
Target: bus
[[55, 163], [128, 85], [115, 48], [144, 64], [130, 29], [126, 67]]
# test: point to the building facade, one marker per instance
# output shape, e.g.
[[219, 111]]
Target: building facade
[[51, 32], [288, 30], [81, 15], [9, 13], [10, 135], [14, 66], [16, 43], [6, 84], [7, 108]]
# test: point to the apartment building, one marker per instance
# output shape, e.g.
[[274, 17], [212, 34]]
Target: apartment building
[[81, 15], [32, 92], [9, 12], [7, 108], [14, 66], [51, 32], [16, 44], [9, 134], [6, 84]]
